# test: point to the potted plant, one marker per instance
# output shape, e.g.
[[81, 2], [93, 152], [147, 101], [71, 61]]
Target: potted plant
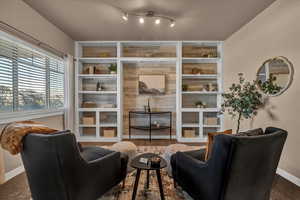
[[113, 68], [200, 104], [185, 87], [243, 100]]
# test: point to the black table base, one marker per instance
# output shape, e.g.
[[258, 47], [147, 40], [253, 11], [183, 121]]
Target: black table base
[[159, 180], [135, 163]]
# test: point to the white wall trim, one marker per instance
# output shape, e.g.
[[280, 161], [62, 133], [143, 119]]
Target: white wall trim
[[288, 176], [15, 172], [28, 115]]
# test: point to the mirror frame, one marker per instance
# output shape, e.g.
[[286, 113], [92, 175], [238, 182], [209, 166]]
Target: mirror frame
[[291, 75]]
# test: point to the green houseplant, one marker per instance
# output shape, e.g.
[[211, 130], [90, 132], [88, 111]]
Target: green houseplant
[[200, 104], [243, 100], [113, 68]]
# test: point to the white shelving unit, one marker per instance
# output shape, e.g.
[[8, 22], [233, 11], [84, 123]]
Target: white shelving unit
[[94, 131], [115, 96], [190, 117]]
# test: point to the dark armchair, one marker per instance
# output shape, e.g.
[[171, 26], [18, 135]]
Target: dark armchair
[[58, 170], [240, 167]]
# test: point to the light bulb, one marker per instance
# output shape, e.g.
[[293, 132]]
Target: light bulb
[[141, 20], [172, 24], [157, 21], [125, 16]]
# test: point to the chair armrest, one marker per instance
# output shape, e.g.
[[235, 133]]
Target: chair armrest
[[197, 154], [188, 162], [194, 176], [111, 158]]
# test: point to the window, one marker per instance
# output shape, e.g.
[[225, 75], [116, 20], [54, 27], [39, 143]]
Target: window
[[29, 80]]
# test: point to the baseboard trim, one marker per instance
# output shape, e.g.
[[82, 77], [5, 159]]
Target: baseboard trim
[[147, 137], [288, 176], [15, 172]]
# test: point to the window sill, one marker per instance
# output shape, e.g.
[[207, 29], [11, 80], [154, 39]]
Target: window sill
[[28, 115]]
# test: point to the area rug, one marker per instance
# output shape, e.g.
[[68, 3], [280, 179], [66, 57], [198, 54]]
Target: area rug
[[119, 193]]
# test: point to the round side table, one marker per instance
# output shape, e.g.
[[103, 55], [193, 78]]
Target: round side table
[[135, 163]]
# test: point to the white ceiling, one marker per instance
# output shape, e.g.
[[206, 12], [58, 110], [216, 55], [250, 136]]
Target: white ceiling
[[195, 19]]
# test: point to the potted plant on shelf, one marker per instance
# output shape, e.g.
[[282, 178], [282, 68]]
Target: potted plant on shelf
[[113, 68], [243, 100], [185, 87], [200, 104]]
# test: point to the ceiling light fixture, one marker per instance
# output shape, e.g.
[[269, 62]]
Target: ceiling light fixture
[[172, 24], [149, 14], [125, 16], [141, 20]]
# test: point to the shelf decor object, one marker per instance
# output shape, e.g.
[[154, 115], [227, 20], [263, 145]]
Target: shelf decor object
[[109, 132], [99, 87]]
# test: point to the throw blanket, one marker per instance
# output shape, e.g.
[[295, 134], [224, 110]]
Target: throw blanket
[[13, 133]]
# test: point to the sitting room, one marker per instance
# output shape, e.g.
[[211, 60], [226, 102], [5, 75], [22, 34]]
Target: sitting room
[[148, 100]]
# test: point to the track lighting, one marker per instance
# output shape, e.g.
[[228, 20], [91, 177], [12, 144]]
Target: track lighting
[[125, 16], [172, 24], [141, 20], [150, 15]]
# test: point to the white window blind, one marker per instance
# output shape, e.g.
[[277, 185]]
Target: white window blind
[[56, 83], [29, 80], [6, 76]]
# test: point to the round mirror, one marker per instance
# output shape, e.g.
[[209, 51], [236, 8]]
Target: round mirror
[[275, 76]]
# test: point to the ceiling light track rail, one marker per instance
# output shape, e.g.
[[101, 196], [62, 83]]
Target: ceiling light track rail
[[149, 14]]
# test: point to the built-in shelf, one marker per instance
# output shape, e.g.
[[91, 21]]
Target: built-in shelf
[[97, 76], [97, 92], [190, 125], [200, 109], [87, 126], [97, 60], [202, 73], [200, 60], [108, 125], [199, 92], [200, 76], [141, 59], [98, 109], [211, 126]]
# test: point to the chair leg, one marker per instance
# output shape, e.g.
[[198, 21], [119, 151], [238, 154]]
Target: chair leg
[[123, 184], [175, 184]]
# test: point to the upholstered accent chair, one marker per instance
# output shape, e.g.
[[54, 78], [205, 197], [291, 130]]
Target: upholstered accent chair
[[240, 167], [57, 169]]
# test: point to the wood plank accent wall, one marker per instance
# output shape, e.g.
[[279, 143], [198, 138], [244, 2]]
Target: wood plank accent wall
[[133, 101]]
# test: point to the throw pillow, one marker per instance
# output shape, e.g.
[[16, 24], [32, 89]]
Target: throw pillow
[[253, 132]]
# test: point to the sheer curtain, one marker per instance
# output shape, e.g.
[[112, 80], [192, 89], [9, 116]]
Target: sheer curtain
[[69, 93]]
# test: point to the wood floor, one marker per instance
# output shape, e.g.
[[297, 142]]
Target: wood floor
[[17, 188]]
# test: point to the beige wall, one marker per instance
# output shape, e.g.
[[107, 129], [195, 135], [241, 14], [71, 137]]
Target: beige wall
[[21, 16], [275, 32]]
